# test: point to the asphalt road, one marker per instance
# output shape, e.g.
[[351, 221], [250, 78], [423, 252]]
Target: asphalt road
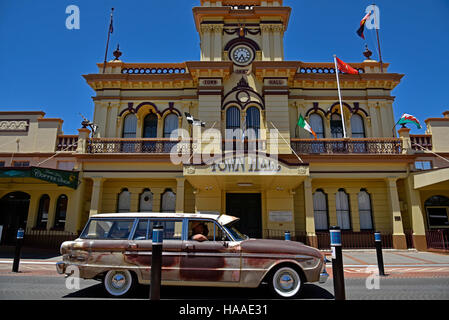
[[41, 288]]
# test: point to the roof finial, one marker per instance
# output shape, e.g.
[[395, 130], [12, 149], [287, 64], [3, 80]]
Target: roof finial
[[117, 53], [367, 53]]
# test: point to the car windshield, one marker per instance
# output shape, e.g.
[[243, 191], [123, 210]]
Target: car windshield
[[237, 235]]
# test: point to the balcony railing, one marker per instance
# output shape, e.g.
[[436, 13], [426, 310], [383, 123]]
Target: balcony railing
[[349, 145], [424, 140], [301, 146], [67, 143], [107, 145]]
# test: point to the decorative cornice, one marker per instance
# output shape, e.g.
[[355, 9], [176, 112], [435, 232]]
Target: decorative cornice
[[14, 125]]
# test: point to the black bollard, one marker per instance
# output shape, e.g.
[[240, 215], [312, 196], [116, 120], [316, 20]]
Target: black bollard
[[380, 259], [19, 241], [337, 264], [156, 263]]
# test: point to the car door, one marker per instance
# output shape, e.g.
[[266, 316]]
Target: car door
[[216, 259], [140, 248]]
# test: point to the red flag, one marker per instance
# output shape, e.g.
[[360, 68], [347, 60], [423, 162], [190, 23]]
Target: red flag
[[346, 68]]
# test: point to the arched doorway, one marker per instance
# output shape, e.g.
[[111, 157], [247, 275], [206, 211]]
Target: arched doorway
[[13, 214]]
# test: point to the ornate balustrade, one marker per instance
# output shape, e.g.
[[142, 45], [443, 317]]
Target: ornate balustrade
[[301, 146], [67, 143], [108, 145], [342, 146], [154, 68], [424, 140]]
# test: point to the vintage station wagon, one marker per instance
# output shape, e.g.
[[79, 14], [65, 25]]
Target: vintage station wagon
[[116, 249]]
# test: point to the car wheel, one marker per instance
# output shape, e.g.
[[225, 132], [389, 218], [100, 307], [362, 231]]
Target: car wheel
[[118, 283], [286, 282]]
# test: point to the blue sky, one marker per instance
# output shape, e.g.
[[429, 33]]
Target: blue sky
[[42, 61]]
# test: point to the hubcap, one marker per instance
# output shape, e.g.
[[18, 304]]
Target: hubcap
[[118, 281], [286, 282]]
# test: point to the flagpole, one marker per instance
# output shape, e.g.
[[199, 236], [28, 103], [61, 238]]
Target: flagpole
[[378, 40], [107, 42], [339, 97]]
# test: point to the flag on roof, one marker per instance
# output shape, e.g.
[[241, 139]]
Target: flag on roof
[[346, 68], [362, 25], [302, 123], [408, 118]]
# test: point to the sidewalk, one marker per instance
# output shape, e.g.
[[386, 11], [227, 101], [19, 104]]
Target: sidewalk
[[357, 263]]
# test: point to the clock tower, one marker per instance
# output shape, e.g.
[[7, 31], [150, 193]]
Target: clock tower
[[241, 31]]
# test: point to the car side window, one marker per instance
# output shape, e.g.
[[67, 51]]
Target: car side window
[[172, 229], [209, 229], [120, 229], [141, 230]]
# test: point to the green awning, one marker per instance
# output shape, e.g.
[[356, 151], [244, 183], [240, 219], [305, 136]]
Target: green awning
[[59, 177]]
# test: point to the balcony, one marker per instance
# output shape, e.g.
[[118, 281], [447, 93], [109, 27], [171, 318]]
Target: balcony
[[67, 143], [347, 146], [386, 146], [423, 140], [120, 145]]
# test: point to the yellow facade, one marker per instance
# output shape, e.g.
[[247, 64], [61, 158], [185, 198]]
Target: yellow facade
[[137, 106]]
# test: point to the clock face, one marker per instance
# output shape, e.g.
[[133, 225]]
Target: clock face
[[242, 55]]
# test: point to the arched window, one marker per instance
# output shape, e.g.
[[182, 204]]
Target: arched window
[[320, 210], [150, 126], [316, 122], [253, 122], [61, 212], [146, 201], [42, 212], [357, 126], [336, 126], [437, 208], [365, 212], [170, 124], [168, 201], [233, 118], [124, 201], [343, 214], [129, 126]]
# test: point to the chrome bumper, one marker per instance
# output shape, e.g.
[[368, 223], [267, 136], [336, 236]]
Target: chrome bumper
[[323, 276], [61, 267]]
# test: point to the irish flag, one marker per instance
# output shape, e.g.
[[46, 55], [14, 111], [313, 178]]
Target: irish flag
[[408, 118], [302, 123]]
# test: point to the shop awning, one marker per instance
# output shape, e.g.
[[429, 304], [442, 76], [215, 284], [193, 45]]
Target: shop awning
[[58, 177]]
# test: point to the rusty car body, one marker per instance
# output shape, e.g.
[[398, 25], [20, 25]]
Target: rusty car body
[[116, 249]]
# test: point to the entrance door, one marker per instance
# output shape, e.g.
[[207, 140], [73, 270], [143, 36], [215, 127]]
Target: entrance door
[[13, 215], [248, 207]]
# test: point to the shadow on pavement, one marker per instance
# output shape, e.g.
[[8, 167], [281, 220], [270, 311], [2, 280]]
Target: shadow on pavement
[[7, 252], [96, 291]]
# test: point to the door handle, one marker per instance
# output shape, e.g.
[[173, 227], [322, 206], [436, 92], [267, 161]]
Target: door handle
[[189, 247]]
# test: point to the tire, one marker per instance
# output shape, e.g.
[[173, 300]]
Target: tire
[[286, 283], [119, 283]]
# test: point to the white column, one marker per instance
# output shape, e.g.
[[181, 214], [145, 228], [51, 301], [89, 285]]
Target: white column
[[277, 39], [95, 201], [218, 45], [206, 42], [266, 52]]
